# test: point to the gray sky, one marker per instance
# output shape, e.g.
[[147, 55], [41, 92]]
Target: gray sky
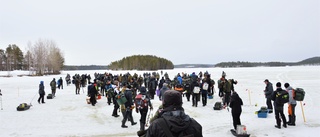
[[183, 31]]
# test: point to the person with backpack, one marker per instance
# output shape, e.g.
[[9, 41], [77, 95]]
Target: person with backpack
[[41, 93], [115, 103], [291, 105], [224, 89], [195, 86], [205, 88], [128, 107], [142, 106], [268, 94], [278, 106], [53, 86], [172, 120]]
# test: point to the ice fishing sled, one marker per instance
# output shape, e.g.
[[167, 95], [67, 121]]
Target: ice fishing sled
[[240, 132], [23, 106]]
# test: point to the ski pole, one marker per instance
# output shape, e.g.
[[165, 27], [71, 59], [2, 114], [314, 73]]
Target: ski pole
[[32, 99], [1, 99], [1, 102], [304, 118], [148, 119]]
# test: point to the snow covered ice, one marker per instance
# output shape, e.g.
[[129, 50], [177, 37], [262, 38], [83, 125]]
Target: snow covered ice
[[68, 114]]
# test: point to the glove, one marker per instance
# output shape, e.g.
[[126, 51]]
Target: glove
[[151, 108]]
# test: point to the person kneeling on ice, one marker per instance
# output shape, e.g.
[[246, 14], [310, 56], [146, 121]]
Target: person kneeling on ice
[[172, 120], [235, 105]]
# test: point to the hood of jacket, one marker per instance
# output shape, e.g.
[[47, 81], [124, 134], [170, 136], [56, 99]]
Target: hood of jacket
[[177, 120]]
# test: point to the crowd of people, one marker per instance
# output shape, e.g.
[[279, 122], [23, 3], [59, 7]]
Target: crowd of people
[[195, 87]]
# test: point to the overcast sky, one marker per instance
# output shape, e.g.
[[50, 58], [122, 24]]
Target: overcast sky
[[183, 31]]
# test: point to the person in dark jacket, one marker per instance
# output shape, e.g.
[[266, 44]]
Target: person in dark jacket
[[41, 92], [173, 121], [53, 85], [268, 94], [144, 110], [60, 83], [128, 106], [235, 105], [162, 90], [195, 96], [93, 91], [278, 107]]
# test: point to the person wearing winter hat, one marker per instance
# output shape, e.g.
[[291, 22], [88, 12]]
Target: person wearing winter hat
[[291, 105], [145, 100], [41, 92], [278, 107], [172, 120], [235, 105]]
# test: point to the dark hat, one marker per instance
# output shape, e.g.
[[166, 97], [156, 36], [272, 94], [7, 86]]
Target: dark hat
[[172, 98], [286, 85], [224, 74], [278, 84], [143, 90], [266, 80]]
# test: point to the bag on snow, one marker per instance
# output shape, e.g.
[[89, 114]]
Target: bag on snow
[[282, 97], [299, 94], [49, 96], [23, 106], [217, 106]]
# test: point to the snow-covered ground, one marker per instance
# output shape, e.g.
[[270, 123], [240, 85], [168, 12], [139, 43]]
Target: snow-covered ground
[[69, 114]]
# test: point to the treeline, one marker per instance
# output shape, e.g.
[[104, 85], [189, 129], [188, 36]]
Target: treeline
[[42, 57], [83, 67], [141, 62], [310, 61]]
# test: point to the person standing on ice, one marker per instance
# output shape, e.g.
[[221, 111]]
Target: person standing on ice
[[291, 105], [41, 93], [60, 83], [268, 94], [235, 105], [278, 107], [53, 85]]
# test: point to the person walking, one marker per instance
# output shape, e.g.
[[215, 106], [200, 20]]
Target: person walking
[[143, 107], [291, 105], [268, 94], [172, 120], [195, 86], [235, 105], [278, 107], [128, 106], [41, 93]]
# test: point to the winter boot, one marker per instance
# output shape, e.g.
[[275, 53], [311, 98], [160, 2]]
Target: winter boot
[[142, 126], [290, 118], [293, 121]]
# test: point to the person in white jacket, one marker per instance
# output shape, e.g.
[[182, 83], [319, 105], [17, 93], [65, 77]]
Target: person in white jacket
[[291, 105]]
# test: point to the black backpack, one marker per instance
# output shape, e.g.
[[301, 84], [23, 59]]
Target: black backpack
[[282, 97]]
